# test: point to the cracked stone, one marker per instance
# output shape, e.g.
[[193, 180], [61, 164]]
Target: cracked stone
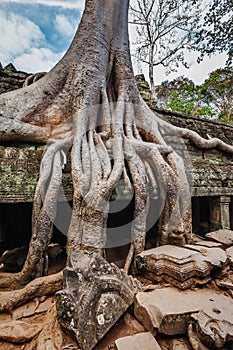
[[214, 324], [214, 255], [169, 310]]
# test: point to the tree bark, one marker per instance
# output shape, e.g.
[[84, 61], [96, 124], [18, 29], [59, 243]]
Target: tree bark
[[89, 102]]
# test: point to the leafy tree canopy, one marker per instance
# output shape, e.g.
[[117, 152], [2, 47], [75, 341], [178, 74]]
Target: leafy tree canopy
[[212, 99], [216, 35]]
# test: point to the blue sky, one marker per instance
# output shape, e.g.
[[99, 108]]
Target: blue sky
[[34, 35]]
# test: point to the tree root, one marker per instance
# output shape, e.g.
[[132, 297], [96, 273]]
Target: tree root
[[33, 78], [90, 102], [37, 288]]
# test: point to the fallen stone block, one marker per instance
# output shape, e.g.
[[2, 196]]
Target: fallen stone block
[[95, 295], [182, 267], [225, 237], [214, 325], [209, 244], [169, 310], [139, 341], [216, 256]]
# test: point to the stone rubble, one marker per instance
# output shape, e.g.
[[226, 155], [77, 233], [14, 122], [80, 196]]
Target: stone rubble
[[214, 325], [185, 302], [169, 310]]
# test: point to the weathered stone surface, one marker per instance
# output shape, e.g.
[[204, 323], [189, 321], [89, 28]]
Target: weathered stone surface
[[139, 341], [229, 252], [181, 267], [169, 310], [209, 244], [10, 78], [214, 325], [19, 167], [224, 237], [94, 297], [225, 283], [215, 256]]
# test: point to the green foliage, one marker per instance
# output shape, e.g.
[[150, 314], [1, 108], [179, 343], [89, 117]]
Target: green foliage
[[212, 99], [219, 92], [216, 35]]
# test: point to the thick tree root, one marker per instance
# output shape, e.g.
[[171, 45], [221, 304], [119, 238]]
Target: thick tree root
[[89, 102], [39, 287]]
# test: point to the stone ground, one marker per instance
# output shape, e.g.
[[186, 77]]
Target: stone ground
[[198, 316]]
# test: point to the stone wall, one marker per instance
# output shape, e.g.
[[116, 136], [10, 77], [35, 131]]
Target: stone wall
[[210, 172], [10, 78], [19, 168]]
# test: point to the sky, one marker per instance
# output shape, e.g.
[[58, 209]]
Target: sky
[[34, 35]]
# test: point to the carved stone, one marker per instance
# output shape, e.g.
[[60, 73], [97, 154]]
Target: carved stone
[[94, 297], [209, 244], [216, 256], [182, 267]]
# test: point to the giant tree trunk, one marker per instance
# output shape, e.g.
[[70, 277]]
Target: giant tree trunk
[[89, 102]]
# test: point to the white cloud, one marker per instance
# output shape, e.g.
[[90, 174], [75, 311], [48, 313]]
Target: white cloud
[[197, 72], [64, 26], [17, 34], [70, 4], [37, 60]]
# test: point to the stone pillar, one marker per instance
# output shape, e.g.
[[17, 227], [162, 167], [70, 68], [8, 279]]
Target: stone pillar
[[220, 212]]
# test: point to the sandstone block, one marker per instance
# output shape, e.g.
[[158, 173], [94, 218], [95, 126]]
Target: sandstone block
[[169, 310], [214, 325], [139, 341], [225, 237], [216, 256], [182, 267]]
